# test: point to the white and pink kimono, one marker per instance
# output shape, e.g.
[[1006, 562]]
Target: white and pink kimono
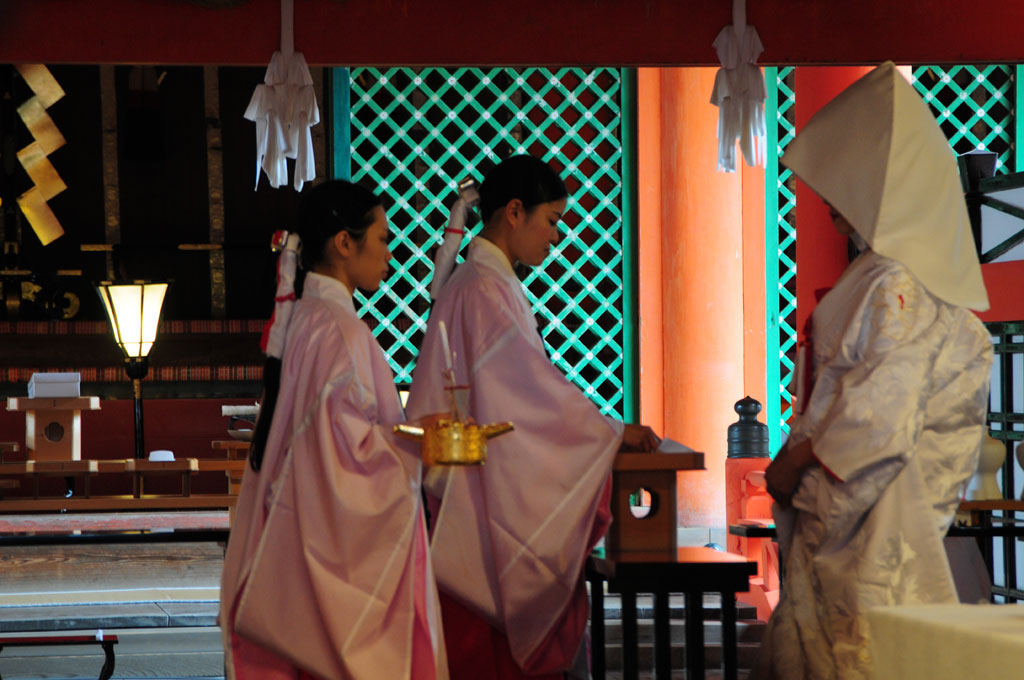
[[510, 538], [327, 571]]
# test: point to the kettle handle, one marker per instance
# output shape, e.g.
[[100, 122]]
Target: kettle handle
[[413, 432]]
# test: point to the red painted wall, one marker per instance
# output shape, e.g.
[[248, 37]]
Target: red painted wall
[[445, 32], [1005, 284], [820, 250]]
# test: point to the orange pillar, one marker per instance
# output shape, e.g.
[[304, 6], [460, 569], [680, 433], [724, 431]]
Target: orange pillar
[[648, 123], [754, 332], [702, 284]]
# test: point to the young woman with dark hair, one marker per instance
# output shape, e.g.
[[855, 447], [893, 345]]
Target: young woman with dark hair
[[510, 538], [327, 573]]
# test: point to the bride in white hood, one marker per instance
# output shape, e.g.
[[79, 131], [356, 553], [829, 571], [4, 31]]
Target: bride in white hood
[[883, 447]]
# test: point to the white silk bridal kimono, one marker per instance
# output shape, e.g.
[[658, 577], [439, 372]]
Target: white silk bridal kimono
[[511, 537], [327, 570], [901, 380], [867, 525]]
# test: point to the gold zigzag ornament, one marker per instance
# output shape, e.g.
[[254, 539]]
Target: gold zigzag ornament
[[34, 156]]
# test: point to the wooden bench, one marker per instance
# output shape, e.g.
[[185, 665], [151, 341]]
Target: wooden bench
[[233, 467], [107, 642], [138, 500], [34, 469], [184, 467], [234, 449], [8, 447]]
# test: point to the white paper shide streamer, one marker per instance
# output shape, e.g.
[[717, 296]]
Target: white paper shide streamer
[[284, 109], [739, 93]]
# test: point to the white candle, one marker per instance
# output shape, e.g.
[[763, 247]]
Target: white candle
[[446, 347]]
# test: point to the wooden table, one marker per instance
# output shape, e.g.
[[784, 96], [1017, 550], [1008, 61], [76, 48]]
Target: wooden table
[[234, 449], [692, 571], [185, 467], [233, 468], [34, 469]]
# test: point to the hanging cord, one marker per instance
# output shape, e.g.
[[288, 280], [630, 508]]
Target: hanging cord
[[274, 335]]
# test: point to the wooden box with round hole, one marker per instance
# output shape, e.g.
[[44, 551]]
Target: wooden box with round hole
[[53, 426], [644, 501]]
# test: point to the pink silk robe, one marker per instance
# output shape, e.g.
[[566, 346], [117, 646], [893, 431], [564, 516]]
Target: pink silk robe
[[321, 571], [511, 537], [896, 419]]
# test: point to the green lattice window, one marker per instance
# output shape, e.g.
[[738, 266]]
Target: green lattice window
[[415, 132], [974, 106], [780, 255]]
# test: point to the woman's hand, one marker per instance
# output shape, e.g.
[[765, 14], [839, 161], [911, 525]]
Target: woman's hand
[[785, 472], [639, 438]]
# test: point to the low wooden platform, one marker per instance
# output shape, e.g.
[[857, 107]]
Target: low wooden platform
[[28, 473], [105, 503]]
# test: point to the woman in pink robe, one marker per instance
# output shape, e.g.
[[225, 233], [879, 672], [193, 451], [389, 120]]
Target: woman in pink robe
[[510, 538], [327, 573]]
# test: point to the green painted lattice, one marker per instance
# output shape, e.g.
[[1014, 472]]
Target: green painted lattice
[[973, 105], [780, 256], [415, 133]]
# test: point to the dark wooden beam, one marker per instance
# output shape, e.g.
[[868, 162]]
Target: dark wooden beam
[[542, 32]]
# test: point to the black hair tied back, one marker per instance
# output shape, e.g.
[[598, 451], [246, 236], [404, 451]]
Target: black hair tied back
[[527, 178], [329, 208], [325, 210], [271, 387]]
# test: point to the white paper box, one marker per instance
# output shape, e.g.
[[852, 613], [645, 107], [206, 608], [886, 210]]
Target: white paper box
[[47, 385]]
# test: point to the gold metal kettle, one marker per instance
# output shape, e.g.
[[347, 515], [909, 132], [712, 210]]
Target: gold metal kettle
[[453, 441]]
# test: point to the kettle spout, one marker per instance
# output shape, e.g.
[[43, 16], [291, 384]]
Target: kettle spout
[[496, 429], [413, 432]]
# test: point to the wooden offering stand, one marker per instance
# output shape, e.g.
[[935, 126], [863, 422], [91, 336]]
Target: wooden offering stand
[[53, 425], [651, 476]]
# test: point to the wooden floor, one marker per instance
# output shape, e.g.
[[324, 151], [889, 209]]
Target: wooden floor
[[109, 521], [168, 587], [83, 568]]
